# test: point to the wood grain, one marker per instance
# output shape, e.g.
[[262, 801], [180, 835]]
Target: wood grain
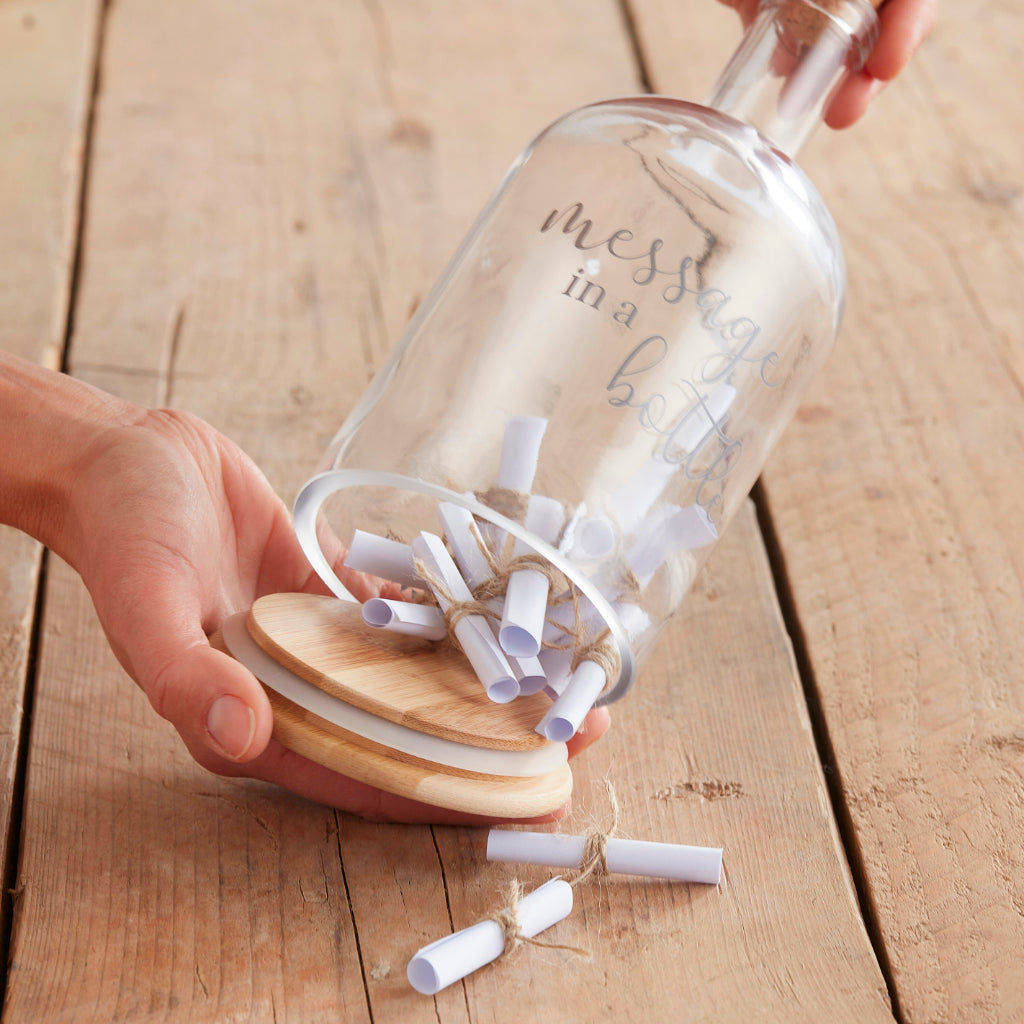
[[47, 56], [261, 219], [508, 798], [415, 683], [896, 496], [395, 771], [711, 748]]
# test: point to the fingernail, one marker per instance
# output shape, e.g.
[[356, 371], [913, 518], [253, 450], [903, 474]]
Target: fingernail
[[231, 724]]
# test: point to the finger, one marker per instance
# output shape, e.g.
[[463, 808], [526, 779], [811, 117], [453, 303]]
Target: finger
[[852, 100], [594, 726], [903, 26], [213, 701], [746, 9]]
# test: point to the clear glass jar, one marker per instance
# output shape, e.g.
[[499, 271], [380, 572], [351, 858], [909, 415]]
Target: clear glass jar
[[658, 282]]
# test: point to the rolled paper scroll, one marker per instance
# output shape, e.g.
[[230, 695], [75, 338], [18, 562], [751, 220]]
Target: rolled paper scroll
[[594, 538], [517, 466], [566, 715], [423, 620], [519, 452], [526, 598], [443, 962], [587, 536], [530, 675], [557, 659], [666, 530], [472, 631], [463, 534], [557, 665], [379, 556], [622, 856], [464, 538], [631, 502], [566, 618]]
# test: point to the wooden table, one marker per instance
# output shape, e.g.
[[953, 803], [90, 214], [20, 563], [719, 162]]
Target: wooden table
[[232, 206]]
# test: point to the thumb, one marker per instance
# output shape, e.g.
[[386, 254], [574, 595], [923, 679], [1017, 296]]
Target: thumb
[[214, 702]]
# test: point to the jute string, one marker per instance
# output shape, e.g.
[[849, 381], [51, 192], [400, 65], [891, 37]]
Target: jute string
[[592, 865], [594, 862], [599, 649], [507, 920]]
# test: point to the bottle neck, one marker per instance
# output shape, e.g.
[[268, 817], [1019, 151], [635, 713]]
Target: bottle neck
[[793, 58]]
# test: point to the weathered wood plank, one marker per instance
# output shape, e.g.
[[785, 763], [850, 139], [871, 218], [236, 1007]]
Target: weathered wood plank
[[897, 500], [47, 53], [151, 890], [261, 219], [713, 748]]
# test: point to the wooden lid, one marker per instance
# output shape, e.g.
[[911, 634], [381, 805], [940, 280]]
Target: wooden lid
[[505, 797], [422, 685]]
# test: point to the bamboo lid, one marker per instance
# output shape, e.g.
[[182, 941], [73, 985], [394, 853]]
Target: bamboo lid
[[425, 686]]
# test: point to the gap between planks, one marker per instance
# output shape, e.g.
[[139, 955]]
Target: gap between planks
[[76, 202], [823, 741], [352, 916]]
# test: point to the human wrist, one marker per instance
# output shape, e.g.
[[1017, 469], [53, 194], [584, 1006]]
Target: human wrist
[[49, 423]]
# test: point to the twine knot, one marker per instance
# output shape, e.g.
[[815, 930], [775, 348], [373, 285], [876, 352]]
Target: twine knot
[[594, 861], [599, 649], [507, 920]]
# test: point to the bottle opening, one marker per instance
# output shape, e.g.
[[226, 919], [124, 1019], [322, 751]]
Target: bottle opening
[[790, 64]]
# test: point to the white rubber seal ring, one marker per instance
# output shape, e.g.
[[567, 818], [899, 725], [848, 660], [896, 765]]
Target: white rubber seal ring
[[484, 760]]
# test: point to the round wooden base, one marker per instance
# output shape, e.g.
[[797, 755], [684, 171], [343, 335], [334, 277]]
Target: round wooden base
[[425, 689]]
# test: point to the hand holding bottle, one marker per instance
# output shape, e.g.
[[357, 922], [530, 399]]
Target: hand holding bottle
[[903, 26], [173, 529]]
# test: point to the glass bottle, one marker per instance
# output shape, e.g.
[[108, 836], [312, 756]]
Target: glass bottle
[[655, 282]]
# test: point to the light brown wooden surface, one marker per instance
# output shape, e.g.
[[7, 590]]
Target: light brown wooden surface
[[897, 500], [47, 56], [272, 187]]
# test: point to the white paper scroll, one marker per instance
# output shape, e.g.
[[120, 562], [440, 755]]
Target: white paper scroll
[[594, 538], [443, 962], [530, 675], [422, 620], [557, 665], [623, 856], [566, 715], [519, 452], [462, 533], [464, 538], [379, 556], [666, 530], [526, 599], [472, 631], [631, 502]]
